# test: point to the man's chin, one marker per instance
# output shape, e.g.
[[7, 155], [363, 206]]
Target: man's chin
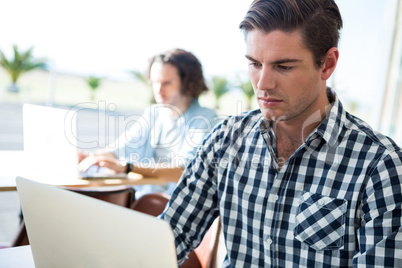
[[273, 117]]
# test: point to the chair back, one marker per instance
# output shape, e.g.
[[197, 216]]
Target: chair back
[[119, 195], [152, 204], [21, 239]]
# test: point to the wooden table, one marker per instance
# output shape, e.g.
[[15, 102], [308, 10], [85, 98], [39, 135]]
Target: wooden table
[[10, 163]]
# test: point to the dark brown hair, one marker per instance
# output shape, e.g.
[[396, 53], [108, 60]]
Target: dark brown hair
[[319, 21], [189, 68]]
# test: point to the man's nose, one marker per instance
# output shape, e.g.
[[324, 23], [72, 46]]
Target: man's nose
[[266, 79]]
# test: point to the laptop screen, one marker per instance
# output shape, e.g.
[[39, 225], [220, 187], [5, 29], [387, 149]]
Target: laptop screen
[[67, 229], [50, 143]]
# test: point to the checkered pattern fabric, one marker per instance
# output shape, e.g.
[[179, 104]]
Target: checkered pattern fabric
[[336, 202]]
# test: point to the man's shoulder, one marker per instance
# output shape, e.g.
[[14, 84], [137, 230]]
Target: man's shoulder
[[249, 119], [356, 126], [196, 110], [206, 111], [233, 128]]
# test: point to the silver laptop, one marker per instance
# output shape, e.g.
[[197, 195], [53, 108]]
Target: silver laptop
[[51, 146], [67, 229]]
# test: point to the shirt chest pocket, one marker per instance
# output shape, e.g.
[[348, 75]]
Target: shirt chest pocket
[[320, 221]]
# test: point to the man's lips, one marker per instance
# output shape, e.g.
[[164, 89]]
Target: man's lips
[[269, 102]]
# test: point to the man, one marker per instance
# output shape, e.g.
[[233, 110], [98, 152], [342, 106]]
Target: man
[[166, 136], [299, 182]]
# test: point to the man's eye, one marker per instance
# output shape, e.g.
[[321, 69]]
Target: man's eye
[[284, 68], [255, 64]]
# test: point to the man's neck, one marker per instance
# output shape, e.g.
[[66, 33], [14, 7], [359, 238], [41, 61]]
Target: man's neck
[[291, 134], [181, 108]]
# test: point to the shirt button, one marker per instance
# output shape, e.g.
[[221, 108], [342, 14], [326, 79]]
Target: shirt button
[[269, 241], [273, 197]]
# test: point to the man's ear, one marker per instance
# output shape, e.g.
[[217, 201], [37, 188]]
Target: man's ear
[[330, 62]]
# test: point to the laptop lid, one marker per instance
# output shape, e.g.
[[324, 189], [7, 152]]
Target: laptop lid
[[67, 229], [51, 146], [50, 143]]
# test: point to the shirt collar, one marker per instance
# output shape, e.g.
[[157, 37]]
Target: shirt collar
[[330, 127], [193, 106], [188, 113], [192, 110]]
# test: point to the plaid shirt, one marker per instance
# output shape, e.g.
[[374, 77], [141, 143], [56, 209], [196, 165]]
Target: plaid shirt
[[336, 202]]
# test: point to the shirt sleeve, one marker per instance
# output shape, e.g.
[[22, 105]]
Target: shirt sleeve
[[193, 205], [380, 234]]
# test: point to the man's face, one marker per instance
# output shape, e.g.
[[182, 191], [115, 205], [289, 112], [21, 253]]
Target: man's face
[[287, 84], [166, 84]]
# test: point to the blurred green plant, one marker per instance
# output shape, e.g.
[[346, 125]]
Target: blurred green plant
[[220, 87], [248, 91], [22, 62], [140, 76], [93, 83]]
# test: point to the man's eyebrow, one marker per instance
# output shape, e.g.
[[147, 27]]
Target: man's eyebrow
[[281, 61], [250, 58]]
